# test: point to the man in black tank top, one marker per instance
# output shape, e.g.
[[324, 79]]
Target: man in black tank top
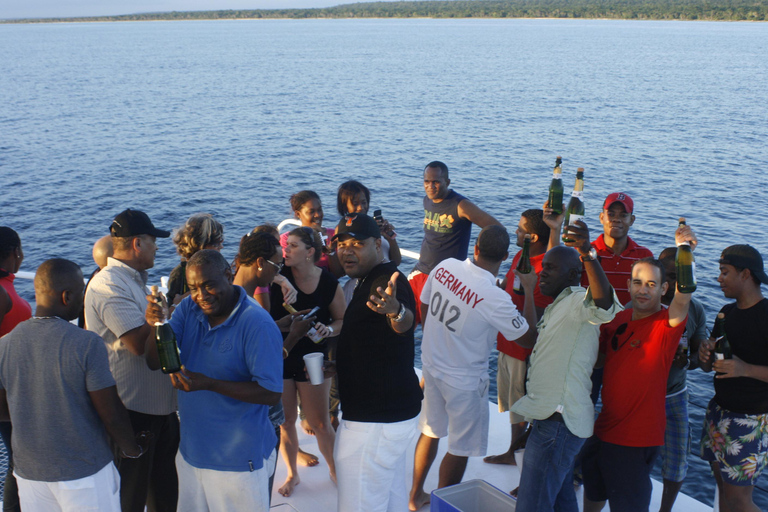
[[448, 219]]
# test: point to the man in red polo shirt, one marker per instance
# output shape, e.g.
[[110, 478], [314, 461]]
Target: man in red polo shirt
[[510, 377], [616, 250]]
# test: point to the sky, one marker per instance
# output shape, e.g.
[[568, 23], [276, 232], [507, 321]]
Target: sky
[[10, 9]]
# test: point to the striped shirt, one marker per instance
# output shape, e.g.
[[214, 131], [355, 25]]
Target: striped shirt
[[618, 267], [115, 304]]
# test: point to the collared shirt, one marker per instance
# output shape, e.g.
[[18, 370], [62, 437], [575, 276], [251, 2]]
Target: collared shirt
[[618, 267], [219, 432], [115, 304], [563, 358]]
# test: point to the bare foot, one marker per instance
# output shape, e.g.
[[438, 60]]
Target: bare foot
[[418, 501], [307, 459], [306, 428], [333, 478], [504, 458], [513, 492], [290, 483]]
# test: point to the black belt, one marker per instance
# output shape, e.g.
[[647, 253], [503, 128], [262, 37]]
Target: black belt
[[556, 417]]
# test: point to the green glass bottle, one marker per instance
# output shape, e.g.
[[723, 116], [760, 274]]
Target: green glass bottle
[[722, 346], [575, 209], [167, 349], [555, 199], [685, 266], [523, 265]]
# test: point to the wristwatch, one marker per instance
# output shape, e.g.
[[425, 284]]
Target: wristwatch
[[591, 255], [400, 314]]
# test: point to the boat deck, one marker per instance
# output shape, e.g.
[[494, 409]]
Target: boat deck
[[316, 492]]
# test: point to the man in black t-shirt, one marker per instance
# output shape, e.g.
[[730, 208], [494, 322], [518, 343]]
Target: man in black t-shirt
[[378, 387], [735, 434]]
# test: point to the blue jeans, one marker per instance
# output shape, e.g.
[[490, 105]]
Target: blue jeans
[[546, 483]]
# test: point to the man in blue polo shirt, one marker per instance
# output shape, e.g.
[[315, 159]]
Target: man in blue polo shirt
[[232, 371]]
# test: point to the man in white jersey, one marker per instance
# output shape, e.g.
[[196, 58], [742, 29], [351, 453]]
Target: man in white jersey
[[463, 310]]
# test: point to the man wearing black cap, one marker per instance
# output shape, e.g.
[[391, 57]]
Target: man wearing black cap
[[114, 309], [378, 388], [735, 435]]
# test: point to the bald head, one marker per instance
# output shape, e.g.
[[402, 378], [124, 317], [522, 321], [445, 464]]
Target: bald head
[[59, 289], [102, 250], [568, 257], [561, 268]]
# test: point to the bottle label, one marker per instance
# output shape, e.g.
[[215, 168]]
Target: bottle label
[[572, 218], [683, 341], [719, 356], [578, 193], [517, 287], [557, 175]]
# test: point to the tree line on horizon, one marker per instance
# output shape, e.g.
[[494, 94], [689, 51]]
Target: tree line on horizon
[[709, 10]]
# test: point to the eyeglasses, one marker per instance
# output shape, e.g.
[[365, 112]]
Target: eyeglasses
[[278, 266], [615, 340]]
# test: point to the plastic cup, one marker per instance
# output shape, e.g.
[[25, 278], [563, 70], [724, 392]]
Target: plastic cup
[[314, 364]]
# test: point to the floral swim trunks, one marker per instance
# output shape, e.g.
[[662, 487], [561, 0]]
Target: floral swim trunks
[[738, 442]]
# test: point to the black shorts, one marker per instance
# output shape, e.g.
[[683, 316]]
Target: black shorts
[[619, 474]]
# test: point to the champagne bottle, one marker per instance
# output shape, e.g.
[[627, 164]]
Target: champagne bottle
[[167, 349], [312, 332], [575, 209], [685, 266], [524, 264], [555, 200], [722, 346]]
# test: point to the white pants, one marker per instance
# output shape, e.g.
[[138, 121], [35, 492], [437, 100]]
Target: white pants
[[370, 465], [208, 490], [99, 492]]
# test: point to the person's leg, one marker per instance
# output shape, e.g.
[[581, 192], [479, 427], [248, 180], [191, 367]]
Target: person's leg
[[271, 482], [37, 496], [424, 456], [191, 492], [315, 400], [510, 383], [10, 490], [452, 470], [547, 465], [595, 494], [627, 475], [100, 491], [135, 473], [163, 493], [289, 438], [738, 498], [674, 453]]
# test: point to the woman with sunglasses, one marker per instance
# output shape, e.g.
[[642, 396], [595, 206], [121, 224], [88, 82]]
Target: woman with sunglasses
[[315, 287]]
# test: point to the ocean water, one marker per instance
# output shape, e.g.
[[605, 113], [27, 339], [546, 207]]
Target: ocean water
[[232, 117]]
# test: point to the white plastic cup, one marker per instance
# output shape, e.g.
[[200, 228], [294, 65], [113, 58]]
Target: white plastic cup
[[314, 364]]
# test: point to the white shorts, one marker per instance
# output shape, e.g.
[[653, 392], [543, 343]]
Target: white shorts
[[460, 414], [510, 381], [370, 465], [99, 492], [208, 490]]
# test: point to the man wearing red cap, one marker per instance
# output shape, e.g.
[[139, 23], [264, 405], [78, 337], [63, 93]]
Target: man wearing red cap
[[616, 250]]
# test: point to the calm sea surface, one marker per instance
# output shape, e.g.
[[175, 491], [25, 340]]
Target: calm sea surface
[[231, 117]]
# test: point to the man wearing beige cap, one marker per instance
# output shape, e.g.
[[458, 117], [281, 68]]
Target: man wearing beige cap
[[114, 309]]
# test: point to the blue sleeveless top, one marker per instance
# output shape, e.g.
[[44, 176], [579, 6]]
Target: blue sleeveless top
[[446, 235]]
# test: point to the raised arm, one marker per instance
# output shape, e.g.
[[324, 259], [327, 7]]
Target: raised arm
[[602, 292], [468, 210], [681, 302], [555, 223]]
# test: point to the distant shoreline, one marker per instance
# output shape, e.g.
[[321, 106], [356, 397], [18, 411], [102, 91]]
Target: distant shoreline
[[640, 10]]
